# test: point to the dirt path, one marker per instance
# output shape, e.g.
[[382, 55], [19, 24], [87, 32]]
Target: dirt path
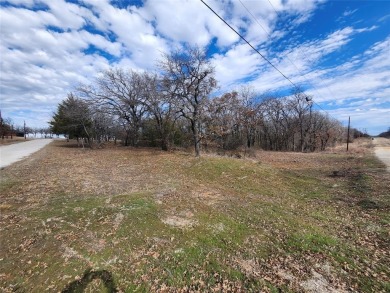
[[10, 154], [382, 150]]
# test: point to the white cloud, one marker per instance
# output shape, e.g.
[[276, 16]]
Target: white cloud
[[27, 3], [134, 30], [370, 78], [349, 12], [189, 21], [238, 63], [69, 15], [374, 120], [361, 82], [241, 61], [45, 53], [18, 20], [180, 22]]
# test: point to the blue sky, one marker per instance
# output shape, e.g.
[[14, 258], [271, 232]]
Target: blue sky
[[338, 51]]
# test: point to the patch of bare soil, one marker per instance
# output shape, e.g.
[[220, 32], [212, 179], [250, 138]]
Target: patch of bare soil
[[291, 272], [318, 284], [281, 221], [184, 219], [207, 196], [118, 220]]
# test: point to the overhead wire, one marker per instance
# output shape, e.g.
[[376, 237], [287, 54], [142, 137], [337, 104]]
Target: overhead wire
[[269, 35], [292, 63], [332, 94], [258, 52], [255, 19]]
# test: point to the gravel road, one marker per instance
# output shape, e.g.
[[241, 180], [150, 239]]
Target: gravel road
[[382, 150], [12, 153]]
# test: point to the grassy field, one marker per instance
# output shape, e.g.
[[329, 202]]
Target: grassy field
[[141, 220], [9, 140]]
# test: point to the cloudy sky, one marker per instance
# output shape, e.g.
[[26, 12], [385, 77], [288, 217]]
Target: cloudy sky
[[338, 51]]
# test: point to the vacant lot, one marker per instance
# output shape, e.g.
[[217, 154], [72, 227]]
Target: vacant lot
[[144, 220]]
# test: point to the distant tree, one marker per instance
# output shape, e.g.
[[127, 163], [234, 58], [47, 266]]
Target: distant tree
[[301, 108], [160, 105], [35, 131], [385, 134], [188, 77], [44, 131], [249, 114], [279, 124], [222, 121], [358, 133], [103, 127], [119, 93], [6, 127]]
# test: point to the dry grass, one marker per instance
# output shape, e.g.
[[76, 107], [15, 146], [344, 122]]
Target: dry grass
[[144, 220], [9, 140]]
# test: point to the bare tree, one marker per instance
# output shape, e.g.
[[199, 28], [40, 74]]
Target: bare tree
[[223, 121], [276, 124], [188, 77], [250, 114], [302, 110], [6, 127], [103, 125], [159, 104], [119, 92]]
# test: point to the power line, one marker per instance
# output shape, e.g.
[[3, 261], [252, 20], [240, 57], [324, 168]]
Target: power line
[[257, 51], [269, 35], [255, 19], [292, 63], [277, 13]]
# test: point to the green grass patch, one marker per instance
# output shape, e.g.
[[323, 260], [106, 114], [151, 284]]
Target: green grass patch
[[7, 184], [242, 217], [310, 242]]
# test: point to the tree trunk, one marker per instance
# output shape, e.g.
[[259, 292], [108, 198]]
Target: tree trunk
[[164, 144], [127, 138], [195, 133], [197, 146], [135, 138], [164, 133]]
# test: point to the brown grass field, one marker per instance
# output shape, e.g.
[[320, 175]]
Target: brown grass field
[[121, 219], [9, 140]]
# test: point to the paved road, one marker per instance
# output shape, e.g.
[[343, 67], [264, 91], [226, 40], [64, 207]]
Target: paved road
[[12, 153], [382, 150]]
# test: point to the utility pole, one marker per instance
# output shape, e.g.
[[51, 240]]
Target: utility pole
[[349, 123], [24, 129]]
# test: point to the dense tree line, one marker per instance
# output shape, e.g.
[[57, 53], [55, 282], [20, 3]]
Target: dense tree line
[[174, 108], [6, 127], [385, 134], [9, 130]]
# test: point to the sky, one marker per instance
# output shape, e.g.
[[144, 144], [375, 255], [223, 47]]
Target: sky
[[337, 51]]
